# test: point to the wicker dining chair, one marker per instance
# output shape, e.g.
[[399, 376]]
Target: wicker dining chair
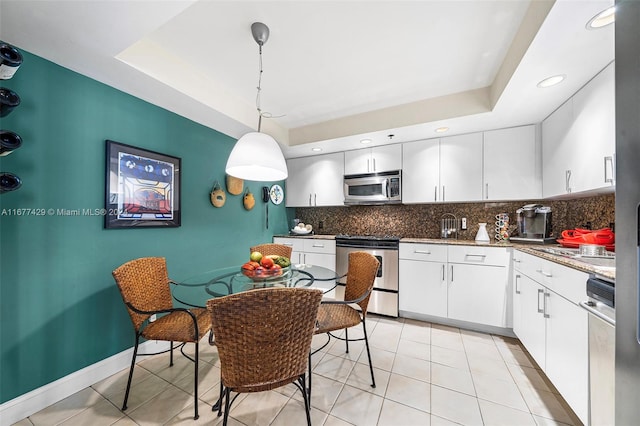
[[336, 315], [263, 338], [144, 286], [270, 248]]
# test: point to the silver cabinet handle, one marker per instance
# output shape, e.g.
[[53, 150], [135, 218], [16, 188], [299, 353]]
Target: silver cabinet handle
[[486, 191], [546, 274], [443, 272], [608, 159], [516, 283], [315, 199], [442, 192], [309, 198], [318, 245], [422, 251], [435, 193], [368, 168], [540, 291], [451, 273], [374, 164], [475, 255], [567, 178], [545, 314], [516, 260], [287, 244]]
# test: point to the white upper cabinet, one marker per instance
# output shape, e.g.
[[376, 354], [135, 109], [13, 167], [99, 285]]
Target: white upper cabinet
[[421, 171], [461, 168], [511, 164], [445, 170], [578, 140], [373, 160], [315, 181]]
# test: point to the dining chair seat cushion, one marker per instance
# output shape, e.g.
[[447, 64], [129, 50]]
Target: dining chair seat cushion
[[178, 326], [333, 317]]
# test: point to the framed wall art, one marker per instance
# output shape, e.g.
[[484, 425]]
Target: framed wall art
[[142, 188]]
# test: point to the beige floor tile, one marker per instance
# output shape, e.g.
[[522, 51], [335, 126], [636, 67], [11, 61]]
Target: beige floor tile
[[385, 336], [419, 369], [208, 377], [489, 366], [125, 421], [23, 422], [476, 348], [476, 336], [293, 414], [455, 406], [101, 413], [416, 332], [414, 349], [530, 378], [547, 405], [360, 378], [499, 415], [161, 408], [451, 357], [543, 421], [159, 365], [259, 408], [380, 358], [506, 342], [516, 356], [355, 348], [410, 392], [324, 393], [446, 337], [116, 383], [334, 421], [185, 417], [67, 408], [439, 421], [357, 407], [333, 367], [452, 378], [394, 414], [499, 391], [140, 393]]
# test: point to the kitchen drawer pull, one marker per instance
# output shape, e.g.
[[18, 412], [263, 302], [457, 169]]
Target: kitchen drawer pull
[[544, 308], [540, 291], [435, 193], [567, 183], [475, 255], [442, 192], [422, 251], [516, 260], [608, 159], [443, 272], [374, 164], [517, 281], [451, 273], [318, 245], [546, 274], [368, 168], [309, 198], [486, 191], [287, 244], [315, 199]]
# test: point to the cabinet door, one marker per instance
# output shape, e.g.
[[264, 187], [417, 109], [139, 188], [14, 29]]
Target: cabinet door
[[328, 180], [479, 294], [298, 186], [567, 363], [595, 133], [532, 322], [510, 161], [321, 259], [422, 287], [358, 161], [557, 150], [386, 158], [461, 168], [421, 171]]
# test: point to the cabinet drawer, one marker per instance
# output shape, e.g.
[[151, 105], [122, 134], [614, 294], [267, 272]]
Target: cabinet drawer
[[426, 252], [567, 282], [479, 255], [297, 244], [526, 264], [313, 245]]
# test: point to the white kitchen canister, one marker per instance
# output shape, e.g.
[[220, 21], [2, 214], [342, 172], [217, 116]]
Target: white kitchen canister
[[482, 237]]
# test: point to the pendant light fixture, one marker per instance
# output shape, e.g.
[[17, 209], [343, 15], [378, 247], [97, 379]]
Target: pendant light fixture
[[256, 155]]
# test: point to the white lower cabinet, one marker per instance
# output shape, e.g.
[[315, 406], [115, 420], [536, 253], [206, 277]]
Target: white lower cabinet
[[466, 283], [552, 326]]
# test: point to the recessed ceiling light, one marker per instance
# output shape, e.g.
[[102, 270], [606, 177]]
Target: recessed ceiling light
[[602, 19], [365, 141], [316, 149], [551, 81], [442, 129]]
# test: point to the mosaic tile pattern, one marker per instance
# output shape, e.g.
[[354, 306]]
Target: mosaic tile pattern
[[423, 220]]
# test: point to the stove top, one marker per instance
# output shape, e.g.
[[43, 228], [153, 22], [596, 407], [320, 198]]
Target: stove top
[[368, 237]]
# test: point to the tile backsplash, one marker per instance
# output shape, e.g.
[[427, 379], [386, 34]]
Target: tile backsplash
[[423, 220]]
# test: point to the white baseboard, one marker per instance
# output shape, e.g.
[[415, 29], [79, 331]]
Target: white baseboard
[[25, 405]]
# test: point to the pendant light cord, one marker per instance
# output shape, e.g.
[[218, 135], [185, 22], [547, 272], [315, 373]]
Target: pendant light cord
[[259, 89]]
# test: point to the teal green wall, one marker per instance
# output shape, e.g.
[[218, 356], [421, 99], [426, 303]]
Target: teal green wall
[[60, 309]]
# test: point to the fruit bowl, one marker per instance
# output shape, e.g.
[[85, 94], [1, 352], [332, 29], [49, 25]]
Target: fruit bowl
[[264, 274], [301, 231]]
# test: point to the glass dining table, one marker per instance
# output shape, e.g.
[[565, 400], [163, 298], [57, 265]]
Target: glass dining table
[[194, 291]]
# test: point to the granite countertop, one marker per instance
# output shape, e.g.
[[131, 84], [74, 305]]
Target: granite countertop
[[571, 262], [453, 241], [315, 236]]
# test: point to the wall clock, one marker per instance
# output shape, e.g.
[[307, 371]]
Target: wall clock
[[277, 194]]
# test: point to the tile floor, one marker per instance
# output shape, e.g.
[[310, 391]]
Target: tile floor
[[426, 374]]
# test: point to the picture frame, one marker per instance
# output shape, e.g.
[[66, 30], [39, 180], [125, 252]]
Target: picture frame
[[142, 188]]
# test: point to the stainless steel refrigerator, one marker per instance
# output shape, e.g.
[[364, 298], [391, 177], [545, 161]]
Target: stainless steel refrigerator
[[627, 42]]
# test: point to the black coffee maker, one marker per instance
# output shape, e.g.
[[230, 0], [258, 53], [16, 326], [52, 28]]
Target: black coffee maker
[[534, 224]]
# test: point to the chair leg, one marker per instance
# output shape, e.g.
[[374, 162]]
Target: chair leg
[[218, 404], [133, 364], [195, 384], [227, 405], [346, 338], [171, 354], [307, 398], [309, 390], [366, 343]]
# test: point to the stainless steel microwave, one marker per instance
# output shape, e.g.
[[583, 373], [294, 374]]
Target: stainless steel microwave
[[373, 188]]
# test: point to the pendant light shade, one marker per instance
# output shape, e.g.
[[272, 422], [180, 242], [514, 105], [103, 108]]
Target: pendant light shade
[[257, 156]]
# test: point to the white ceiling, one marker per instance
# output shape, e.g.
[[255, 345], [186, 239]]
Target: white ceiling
[[335, 72]]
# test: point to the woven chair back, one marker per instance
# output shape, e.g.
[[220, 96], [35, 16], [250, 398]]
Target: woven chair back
[[144, 283], [269, 248], [264, 336], [362, 271]]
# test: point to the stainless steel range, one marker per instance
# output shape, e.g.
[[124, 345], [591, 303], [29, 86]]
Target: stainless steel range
[[384, 298]]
